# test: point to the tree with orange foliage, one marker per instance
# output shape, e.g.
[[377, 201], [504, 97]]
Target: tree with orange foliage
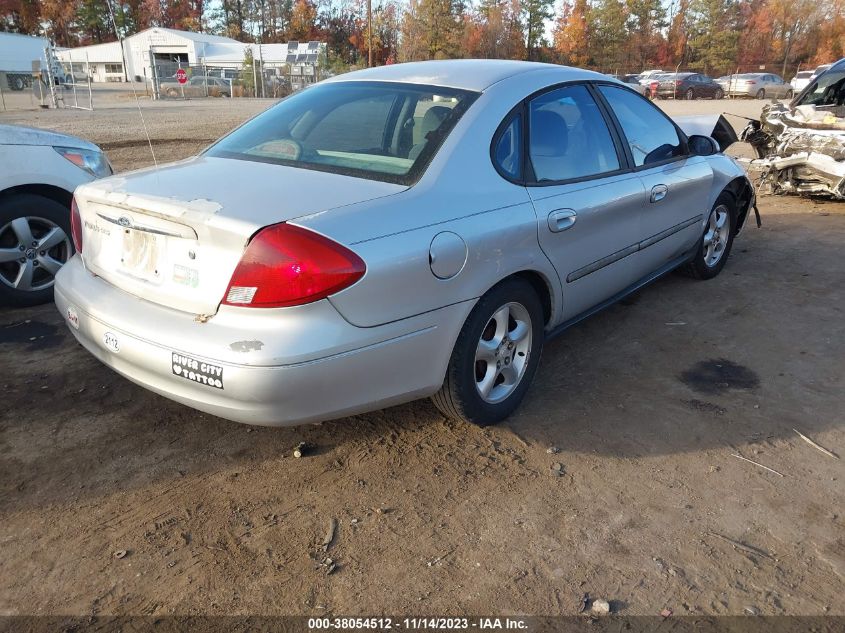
[[831, 44], [303, 21], [571, 34], [19, 16]]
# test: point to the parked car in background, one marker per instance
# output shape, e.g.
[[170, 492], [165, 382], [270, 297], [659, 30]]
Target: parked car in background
[[40, 171], [758, 86], [197, 86], [474, 209], [647, 75], [800, 80], [688, 86], [633, 82]]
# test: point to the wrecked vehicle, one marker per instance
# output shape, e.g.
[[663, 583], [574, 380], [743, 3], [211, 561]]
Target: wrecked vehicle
[[400, 232], [801, 146]]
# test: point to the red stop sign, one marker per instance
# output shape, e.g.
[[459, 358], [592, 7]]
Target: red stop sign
[[181, 76]]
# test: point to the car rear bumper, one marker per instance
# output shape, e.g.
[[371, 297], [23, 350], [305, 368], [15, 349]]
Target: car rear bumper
[[268, 367], [741, 92]]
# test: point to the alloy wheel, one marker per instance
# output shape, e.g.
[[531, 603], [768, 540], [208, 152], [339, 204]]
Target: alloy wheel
[[717, 234], [501, 356], [32, 250]]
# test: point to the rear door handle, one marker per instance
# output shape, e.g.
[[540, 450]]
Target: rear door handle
[[658, 192], [562, 219]]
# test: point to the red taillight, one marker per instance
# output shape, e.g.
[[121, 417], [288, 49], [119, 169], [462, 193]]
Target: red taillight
[[286, 265], [678, 82], [75, 226], [751, 83]]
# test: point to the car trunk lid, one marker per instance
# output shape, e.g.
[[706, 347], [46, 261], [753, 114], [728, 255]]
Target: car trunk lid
[[174, 235]]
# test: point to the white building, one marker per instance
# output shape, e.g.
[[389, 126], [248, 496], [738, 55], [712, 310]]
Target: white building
[[160, 45]]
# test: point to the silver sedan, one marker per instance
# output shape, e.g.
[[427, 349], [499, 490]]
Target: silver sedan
[[757, 85], [407, 231]]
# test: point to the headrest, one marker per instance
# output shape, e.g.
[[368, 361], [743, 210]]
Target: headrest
[[549, 134], [433, 118]]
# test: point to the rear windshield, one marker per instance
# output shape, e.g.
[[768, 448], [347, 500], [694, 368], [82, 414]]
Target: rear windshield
[[377, 130]]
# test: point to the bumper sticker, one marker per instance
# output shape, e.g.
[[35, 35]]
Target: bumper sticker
[[197, 371], [73, 317]]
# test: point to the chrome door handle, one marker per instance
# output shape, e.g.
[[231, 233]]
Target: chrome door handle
[[658, 192], [562, 219]]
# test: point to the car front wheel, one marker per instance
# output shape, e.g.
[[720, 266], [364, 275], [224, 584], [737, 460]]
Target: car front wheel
[[495, 356], [690, 94], [34, 244], [714, 246]]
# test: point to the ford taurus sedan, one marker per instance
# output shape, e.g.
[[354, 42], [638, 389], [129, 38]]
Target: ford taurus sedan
[[401, 232]]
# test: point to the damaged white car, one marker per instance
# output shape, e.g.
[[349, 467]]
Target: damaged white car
[[801, 146]]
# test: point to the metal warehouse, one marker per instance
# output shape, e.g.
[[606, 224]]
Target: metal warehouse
[[105, 62]]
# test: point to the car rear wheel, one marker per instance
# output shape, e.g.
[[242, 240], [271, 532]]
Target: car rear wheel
[[34, 244], [495, 356], [690, 95], [719, 94], [790, 94], [761, 93], [715, 244]]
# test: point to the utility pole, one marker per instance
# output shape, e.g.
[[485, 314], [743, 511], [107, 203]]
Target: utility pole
[[370, 33]]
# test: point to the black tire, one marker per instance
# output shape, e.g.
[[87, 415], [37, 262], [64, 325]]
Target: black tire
[[698, 268], [719, 94], [459, 397], [790, 94], [761, 93], [48, 211], [690, 94]]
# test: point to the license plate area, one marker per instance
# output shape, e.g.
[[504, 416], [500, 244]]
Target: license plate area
[[143, 255]]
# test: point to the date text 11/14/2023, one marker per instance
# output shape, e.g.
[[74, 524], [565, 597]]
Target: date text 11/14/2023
[[417, 623]]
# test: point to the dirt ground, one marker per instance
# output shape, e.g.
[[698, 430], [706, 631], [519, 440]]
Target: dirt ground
[[117, 501]]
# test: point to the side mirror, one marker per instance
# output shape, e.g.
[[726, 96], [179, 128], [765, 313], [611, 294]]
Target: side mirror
[[701, 145]]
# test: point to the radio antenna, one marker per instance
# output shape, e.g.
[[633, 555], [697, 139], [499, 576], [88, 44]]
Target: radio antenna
[[132, 83]]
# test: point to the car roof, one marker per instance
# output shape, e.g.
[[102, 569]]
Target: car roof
[[466, 74]]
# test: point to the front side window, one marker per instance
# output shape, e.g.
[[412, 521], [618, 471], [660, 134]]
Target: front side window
[[651, 135], [568, 136], [378, 130]]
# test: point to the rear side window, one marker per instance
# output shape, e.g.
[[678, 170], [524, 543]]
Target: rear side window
[[507, 151], [650, 134], [568, 136]]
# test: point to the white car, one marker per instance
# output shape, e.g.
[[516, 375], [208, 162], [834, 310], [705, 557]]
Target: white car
[[40, 171], [647, 76], [801, 79]]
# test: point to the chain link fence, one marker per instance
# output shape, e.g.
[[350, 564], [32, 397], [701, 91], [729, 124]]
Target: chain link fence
[[178, 80]]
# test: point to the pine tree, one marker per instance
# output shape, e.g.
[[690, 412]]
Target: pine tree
[[535, 13]]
